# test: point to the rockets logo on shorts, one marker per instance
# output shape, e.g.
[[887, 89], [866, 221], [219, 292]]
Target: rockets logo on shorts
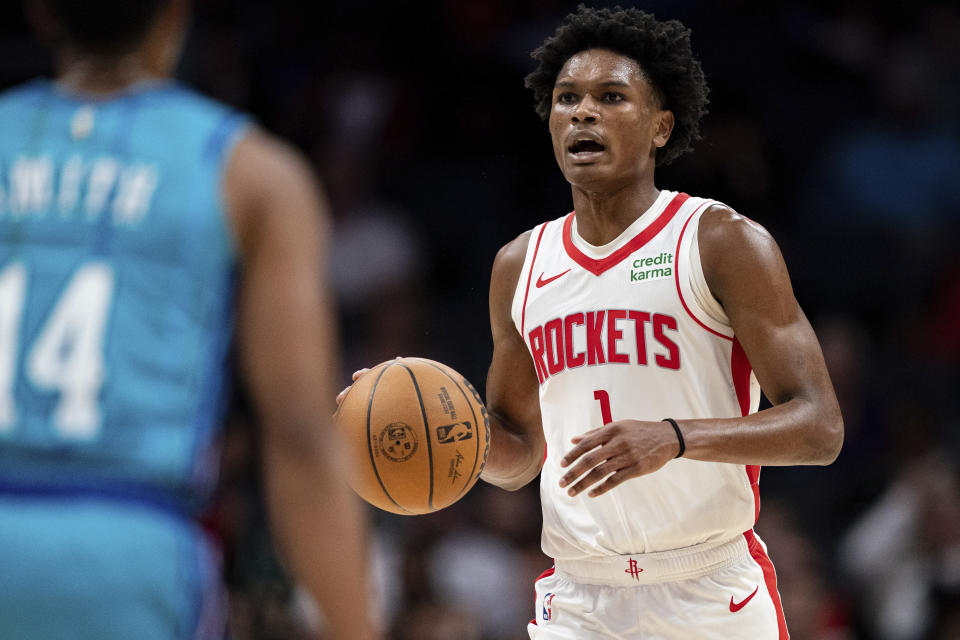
[[633, 570]]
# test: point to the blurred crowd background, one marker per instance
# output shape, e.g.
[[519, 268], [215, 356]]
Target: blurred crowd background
[[836, 124]]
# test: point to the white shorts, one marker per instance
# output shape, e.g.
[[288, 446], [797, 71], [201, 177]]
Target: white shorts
[[721, 591]]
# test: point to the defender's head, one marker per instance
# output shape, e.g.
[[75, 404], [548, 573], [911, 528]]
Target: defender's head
[[623, 76], [114, 27]]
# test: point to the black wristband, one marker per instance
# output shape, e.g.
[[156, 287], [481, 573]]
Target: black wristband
[[676, 427]]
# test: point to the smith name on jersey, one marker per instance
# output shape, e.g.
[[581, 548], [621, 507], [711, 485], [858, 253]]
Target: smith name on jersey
[[117, 274]]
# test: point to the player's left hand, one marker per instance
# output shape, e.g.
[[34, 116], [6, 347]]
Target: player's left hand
[[621, 450]]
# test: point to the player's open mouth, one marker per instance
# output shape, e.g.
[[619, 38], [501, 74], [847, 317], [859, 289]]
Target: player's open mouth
[[585, 149]]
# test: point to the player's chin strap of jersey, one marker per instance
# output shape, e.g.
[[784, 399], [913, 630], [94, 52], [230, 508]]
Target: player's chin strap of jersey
[[676, 427]]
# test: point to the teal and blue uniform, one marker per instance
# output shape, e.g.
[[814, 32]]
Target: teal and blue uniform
[[117, 278]]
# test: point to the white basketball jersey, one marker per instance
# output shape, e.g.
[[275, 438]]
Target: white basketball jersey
[[630, 330]]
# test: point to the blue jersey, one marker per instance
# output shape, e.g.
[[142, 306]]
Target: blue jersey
[[116, 289]]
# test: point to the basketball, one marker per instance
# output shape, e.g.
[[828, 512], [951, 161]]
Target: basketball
[[417, 433]]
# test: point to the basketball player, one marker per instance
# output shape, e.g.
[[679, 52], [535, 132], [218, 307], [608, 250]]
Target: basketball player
[[629, 340], [127, 204]]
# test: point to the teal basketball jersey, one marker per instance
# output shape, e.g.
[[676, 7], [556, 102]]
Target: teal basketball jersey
[[117, 277]]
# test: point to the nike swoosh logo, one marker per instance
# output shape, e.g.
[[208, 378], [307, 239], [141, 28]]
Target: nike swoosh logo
[[542, 283], [736, 606]]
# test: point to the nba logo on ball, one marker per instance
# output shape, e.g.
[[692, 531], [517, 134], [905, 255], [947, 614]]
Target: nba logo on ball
[[454, 432], [547, 609]]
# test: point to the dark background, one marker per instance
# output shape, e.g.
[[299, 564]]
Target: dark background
[[834, 124]]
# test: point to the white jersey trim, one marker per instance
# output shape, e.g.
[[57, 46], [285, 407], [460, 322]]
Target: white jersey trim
[[695, 295], [522, 287]]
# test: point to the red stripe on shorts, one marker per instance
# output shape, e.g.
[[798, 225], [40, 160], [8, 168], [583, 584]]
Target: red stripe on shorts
[[770, 578]]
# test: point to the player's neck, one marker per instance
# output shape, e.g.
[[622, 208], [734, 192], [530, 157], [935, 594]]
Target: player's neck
[[103, 74], [602, 216]]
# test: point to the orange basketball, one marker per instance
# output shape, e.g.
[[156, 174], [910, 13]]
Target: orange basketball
[[417, 434]]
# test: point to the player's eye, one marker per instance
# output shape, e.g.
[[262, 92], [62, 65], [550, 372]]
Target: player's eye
[[612, 96], [566, 98]]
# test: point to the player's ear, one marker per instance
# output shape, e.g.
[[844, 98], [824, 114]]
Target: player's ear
[[665, 121]]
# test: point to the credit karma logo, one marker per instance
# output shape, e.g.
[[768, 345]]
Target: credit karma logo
[[652, 267]]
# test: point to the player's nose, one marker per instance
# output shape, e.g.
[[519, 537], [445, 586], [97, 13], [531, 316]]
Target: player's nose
[[587, 110]]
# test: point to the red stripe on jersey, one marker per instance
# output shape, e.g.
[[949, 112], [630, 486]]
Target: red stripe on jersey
[[753, 475], [676, 276], [548, 572], [740, 372], [770, 578], [523, 312], [740, 369], [597, 267]]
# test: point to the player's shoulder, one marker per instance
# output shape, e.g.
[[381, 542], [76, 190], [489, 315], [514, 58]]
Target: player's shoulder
[[735, 249], [507, 267], [515, 251], [726, 229], [268, 182], [261, 158]]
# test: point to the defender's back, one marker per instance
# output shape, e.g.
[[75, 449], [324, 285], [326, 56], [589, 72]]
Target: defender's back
[[116, 271], [116, 286]]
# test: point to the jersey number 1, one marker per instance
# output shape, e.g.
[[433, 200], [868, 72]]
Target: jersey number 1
[[604, 399], [67, 355]]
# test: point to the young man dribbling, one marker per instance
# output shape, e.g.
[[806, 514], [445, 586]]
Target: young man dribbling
[[631, 340]]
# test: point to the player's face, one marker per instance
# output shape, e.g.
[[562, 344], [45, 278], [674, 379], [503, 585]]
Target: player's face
[[606, 122]]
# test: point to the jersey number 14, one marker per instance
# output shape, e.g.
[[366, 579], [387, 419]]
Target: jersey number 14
[[67, 355]]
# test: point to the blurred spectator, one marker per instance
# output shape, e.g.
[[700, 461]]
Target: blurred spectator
[[484, 570], [903, 554], [899, 168], [815, 608], [435, 622]]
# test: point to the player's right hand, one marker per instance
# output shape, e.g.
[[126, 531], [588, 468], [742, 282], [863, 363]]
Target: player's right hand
[[354, 377], [617, 451]]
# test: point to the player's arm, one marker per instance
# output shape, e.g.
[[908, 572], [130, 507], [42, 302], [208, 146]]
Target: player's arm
[[746, 273], [288, 353], [513, 397]]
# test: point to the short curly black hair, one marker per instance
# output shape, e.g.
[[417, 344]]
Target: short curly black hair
[[661, 48], [105, 26]]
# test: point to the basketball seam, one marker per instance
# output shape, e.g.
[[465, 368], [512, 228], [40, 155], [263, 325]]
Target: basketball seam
[[469, 482], [426, 427], [373, 462]]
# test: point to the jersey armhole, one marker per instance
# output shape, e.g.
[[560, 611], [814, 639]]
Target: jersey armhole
[[522, 287], [219, 149], [695, 293]]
